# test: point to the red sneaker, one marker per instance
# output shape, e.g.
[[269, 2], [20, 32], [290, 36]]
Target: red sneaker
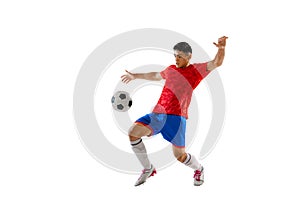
[[199, 176]]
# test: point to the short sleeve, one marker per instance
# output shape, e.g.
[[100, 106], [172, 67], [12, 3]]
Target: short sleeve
[[202, 69], [164, 72]]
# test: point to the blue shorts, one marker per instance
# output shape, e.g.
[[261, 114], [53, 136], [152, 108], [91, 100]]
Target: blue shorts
[[172, 127]]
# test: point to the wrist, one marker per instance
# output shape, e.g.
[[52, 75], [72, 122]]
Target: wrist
[[136, 76]]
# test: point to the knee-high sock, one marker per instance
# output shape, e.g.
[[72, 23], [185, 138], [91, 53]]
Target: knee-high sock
[[139, 149], [192, 162]]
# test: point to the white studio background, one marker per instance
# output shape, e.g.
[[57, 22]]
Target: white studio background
[[43, 46]]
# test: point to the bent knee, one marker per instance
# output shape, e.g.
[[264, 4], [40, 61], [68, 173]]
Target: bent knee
[[133, 138], [137, 131], [181, 157]]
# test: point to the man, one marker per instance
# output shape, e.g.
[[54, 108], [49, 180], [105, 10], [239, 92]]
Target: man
[[171, 111]]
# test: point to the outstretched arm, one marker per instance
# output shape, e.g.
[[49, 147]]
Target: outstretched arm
[[151, 76], [218, 60]]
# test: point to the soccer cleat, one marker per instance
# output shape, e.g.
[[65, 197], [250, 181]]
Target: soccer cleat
[[199, 176], [146, 173]]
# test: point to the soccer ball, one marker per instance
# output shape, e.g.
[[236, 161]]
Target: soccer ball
[[121, 101]]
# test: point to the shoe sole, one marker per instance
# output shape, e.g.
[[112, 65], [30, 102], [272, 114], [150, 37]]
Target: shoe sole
[[199, 184]]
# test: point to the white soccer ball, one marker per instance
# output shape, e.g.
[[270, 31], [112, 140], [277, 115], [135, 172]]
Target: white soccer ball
[[121, 101]]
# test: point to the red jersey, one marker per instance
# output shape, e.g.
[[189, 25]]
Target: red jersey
[[177, 91]]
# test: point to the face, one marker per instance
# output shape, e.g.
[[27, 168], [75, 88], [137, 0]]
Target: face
[[182, 59]]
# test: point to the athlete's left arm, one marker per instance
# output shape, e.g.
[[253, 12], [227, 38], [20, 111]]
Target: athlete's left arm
[[218, 60]]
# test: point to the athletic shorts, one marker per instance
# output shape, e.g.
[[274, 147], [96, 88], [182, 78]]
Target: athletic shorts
[[172, 127]]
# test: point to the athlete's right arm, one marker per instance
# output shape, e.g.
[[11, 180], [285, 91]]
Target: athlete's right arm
[[151, 76]]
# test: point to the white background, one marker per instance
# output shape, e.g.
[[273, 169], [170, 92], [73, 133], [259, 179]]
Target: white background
[[42, 48]]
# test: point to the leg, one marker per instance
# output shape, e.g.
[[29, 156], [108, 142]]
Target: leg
[[186, 158], [179, 153], [135, 133], [190, 161]]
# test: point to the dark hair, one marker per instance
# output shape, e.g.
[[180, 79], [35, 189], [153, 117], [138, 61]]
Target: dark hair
[[183, 46]]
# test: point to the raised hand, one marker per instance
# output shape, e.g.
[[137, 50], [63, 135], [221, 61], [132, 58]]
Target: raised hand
[[221, 42], [126, 78]]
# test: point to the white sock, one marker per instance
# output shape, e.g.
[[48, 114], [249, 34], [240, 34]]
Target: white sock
[[192, 162], [139, 149]]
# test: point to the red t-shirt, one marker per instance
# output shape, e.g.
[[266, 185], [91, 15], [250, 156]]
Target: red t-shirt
[[177, 92]]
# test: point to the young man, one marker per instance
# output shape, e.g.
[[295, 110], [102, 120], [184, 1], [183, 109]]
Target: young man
[[171, 111]]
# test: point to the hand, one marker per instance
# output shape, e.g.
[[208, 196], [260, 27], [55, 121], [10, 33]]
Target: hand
[[126, 78], [221, 42]]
